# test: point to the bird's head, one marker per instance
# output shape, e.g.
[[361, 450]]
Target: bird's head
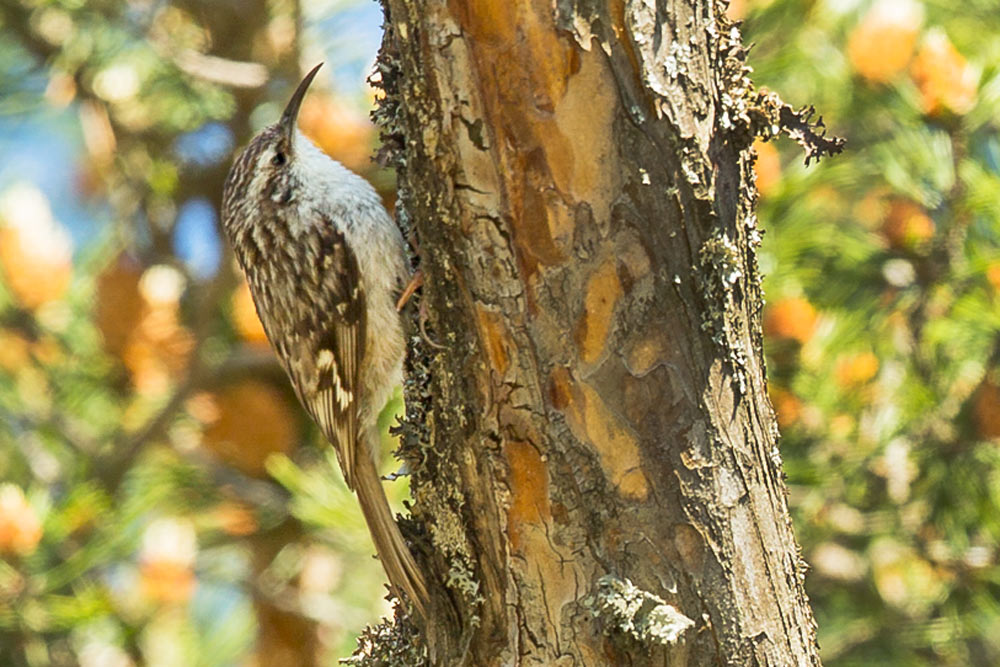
[[263, 175]]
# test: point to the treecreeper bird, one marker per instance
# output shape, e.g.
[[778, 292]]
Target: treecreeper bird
[[324, 261]]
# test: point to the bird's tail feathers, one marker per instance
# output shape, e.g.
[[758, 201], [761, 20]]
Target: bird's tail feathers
[[398, 562]]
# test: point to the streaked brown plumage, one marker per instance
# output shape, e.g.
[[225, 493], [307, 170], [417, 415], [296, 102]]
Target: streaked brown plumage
[[324, 261]]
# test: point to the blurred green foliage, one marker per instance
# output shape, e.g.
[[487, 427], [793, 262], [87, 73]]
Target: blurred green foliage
[[164, 500], [883, 320]]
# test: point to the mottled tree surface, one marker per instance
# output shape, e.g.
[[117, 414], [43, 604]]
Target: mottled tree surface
[[596, 477]]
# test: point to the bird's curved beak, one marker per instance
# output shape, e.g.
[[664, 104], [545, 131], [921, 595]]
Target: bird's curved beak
[[289, 119]]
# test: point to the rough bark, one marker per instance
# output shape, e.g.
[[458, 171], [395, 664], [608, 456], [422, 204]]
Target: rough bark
[[596, 473]]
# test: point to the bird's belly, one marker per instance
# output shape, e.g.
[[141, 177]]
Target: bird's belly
[[382, 366]]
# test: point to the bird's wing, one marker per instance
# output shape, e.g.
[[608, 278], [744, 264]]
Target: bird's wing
[[336, 345]]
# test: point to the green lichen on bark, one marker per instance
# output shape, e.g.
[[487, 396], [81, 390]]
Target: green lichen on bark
[[720, 274], [626, 609], [394, 642]]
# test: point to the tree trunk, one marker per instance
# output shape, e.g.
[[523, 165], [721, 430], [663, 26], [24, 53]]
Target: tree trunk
[[597, 478]]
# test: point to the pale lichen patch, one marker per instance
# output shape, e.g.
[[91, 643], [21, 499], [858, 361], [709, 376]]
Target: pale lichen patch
[[720, 272], [639, 614]]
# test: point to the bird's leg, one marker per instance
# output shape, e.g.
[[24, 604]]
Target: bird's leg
[[421, 322], [415, 282]]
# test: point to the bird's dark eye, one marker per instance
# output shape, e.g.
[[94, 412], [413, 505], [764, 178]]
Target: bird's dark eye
[[278, 159]]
